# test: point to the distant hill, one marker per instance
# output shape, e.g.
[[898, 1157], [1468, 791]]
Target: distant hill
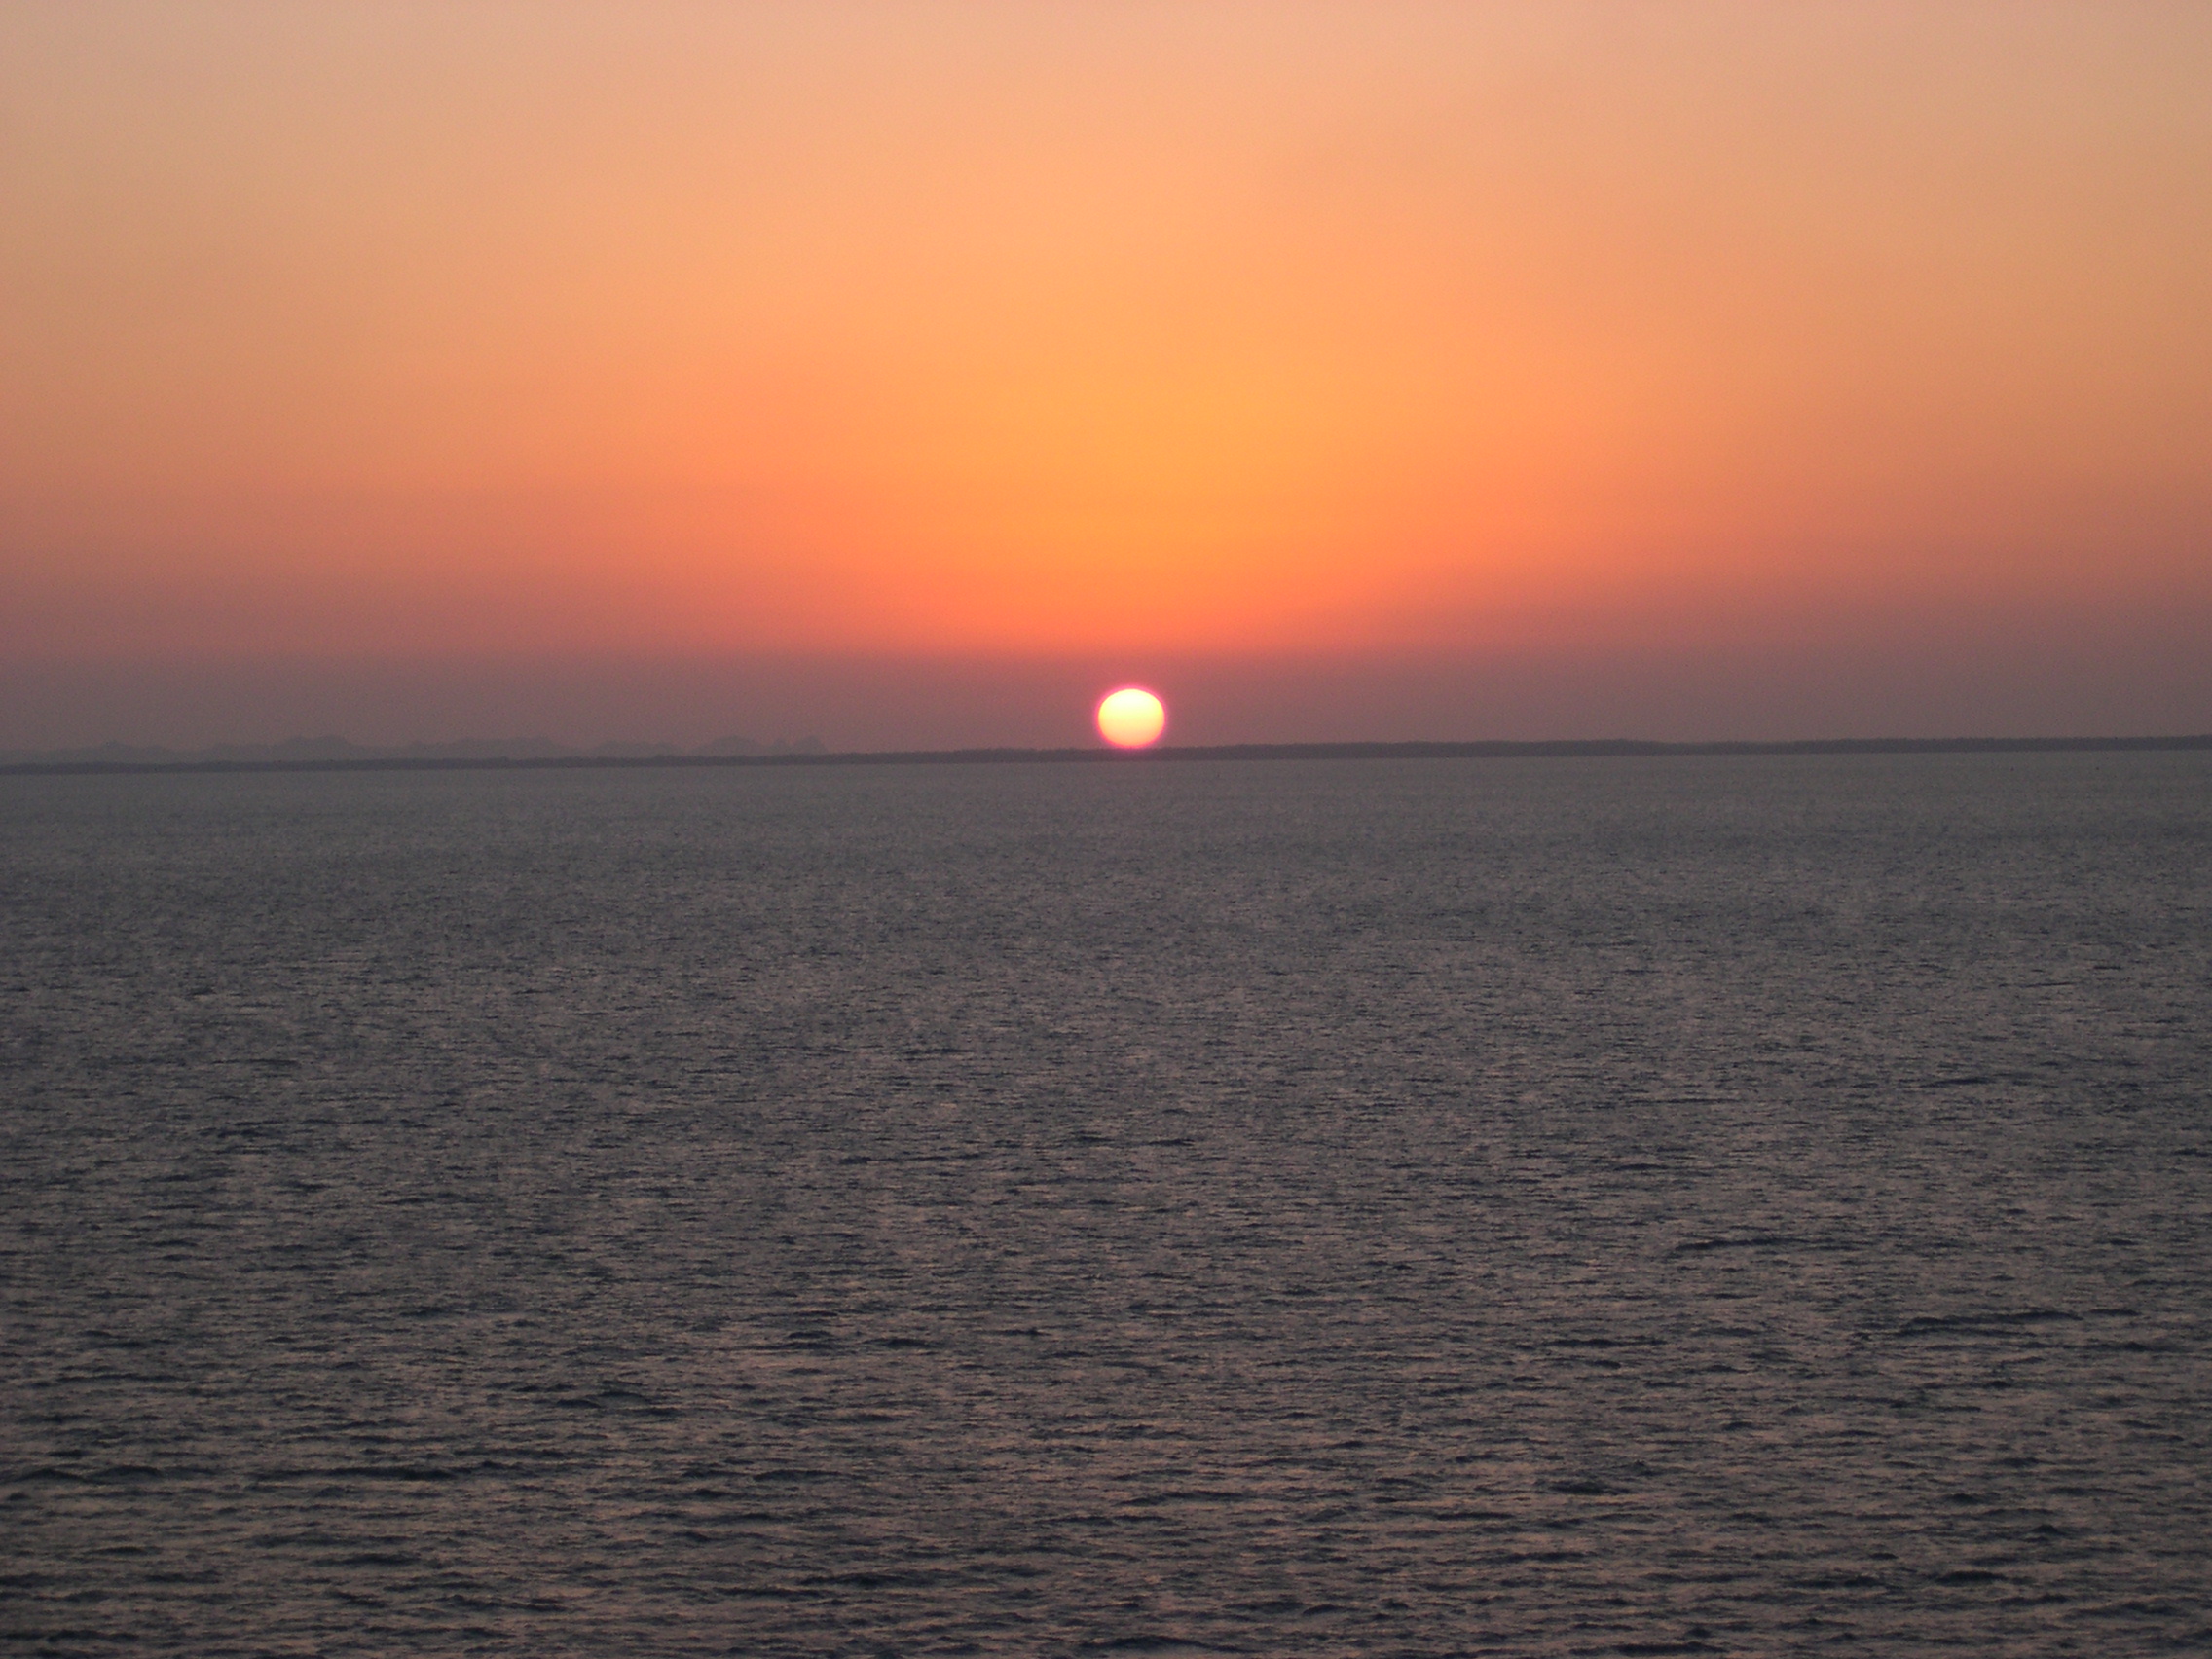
[[297, 750], [336, 754]]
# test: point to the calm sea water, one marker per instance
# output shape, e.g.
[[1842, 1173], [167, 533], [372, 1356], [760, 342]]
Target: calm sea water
[[1753, 1206]]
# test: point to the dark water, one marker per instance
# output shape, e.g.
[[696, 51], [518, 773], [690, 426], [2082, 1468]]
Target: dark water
[[1748, 1206]]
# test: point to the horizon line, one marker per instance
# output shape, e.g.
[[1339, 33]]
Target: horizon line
[[1472, 749]]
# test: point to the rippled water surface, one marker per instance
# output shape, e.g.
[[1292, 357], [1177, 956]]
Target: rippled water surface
[[1745, 1205]]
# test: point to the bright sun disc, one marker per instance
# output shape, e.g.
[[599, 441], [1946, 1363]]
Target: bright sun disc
[[1131, 717]]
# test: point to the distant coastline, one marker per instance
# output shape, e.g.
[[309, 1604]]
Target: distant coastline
[[625, 758]]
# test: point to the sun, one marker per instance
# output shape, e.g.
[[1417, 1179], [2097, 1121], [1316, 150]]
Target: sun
[[1131, 717]]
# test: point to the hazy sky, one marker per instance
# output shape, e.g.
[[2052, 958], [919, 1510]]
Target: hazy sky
[[907, 373]]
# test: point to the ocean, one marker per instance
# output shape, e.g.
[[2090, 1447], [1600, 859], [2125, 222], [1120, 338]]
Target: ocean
[[1744, 1205]]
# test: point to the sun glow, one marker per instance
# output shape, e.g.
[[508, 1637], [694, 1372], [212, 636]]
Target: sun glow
[[1131, 717]]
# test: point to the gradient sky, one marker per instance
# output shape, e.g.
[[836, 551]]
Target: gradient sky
[[906, 373]]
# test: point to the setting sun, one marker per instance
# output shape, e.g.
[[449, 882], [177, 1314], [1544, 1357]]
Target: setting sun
[[1131, 718]]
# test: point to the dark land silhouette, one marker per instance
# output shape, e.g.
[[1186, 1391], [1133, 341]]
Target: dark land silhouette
[[336, 754]]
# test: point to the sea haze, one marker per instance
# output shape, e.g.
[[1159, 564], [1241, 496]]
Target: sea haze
[[1744, 1205]]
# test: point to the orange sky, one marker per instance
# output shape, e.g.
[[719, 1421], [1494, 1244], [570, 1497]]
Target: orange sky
[[423, 333]]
